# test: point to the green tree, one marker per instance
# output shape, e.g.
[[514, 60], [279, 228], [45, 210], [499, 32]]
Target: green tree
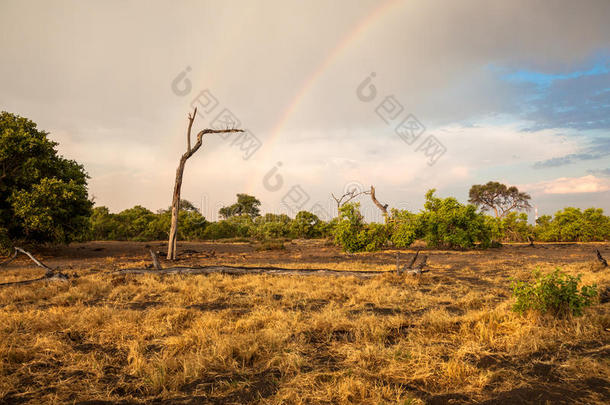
[[499, 198], [43, 197], [245, 205], [305, 225], [449, 224], [405, 226]]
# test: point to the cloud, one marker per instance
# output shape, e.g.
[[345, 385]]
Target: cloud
[[106, 94], [581, 102], [600, 172], [569, 185], [595, 149]]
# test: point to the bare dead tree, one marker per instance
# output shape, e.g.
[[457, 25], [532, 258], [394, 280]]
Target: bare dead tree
[[190, 151], [347, 197], [382, 207]]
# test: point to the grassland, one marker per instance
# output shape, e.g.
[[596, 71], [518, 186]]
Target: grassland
[[447, 336]]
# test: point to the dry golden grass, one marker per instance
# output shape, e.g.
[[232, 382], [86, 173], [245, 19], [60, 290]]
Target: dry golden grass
[[298, 340]]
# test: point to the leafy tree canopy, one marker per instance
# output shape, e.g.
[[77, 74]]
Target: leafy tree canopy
[[245, 205], [43, 197], [499, 198]]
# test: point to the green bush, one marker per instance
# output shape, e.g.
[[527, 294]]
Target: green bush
[[243, 226], [448, 224], [272, 226], [556, 293], [219, 230], [305, 225], [511, 228], [353, 235], [405, 228], [573, 225]]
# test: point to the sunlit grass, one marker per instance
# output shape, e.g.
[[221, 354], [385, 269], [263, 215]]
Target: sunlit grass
[[292, 339]]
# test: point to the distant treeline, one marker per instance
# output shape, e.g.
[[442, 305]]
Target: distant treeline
[[444, 223]]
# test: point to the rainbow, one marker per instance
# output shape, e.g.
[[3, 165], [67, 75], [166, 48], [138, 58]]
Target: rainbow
[[353, 35]]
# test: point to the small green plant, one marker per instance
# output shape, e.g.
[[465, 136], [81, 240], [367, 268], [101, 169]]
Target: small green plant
[[556, 293]]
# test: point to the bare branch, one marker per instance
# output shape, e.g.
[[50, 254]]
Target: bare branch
[[39, 263], [413, 260], [188, 132], [382, 207], [350, 195]]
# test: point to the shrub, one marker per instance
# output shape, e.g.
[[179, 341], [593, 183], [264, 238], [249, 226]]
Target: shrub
[[353, 235], [305, 225], [373, 237], [272, 226], [449, 224], [219, 230], [243, 226], [573, 225], [556, 293], [405, 228]]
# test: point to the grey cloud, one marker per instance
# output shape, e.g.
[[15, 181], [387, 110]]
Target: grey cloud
[[598, 149], [600, 172], [580, 103], [101, 71]]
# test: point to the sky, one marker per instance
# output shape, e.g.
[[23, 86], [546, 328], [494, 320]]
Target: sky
[[403, 95]]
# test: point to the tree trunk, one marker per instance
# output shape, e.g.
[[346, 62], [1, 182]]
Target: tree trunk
[[173, 231]]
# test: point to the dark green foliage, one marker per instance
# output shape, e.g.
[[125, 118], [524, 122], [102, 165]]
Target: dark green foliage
[[219, 230], [353, 235], [448, 224], [140, 224], [272, 226], [499, 198], [574, 225], [245, 205], [511, 228], [43, 197], [556, 293], [305, 225]]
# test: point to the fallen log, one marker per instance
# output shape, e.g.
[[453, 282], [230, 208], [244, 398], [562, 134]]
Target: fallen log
[[50, 275], [408, 268], [242, 271]]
